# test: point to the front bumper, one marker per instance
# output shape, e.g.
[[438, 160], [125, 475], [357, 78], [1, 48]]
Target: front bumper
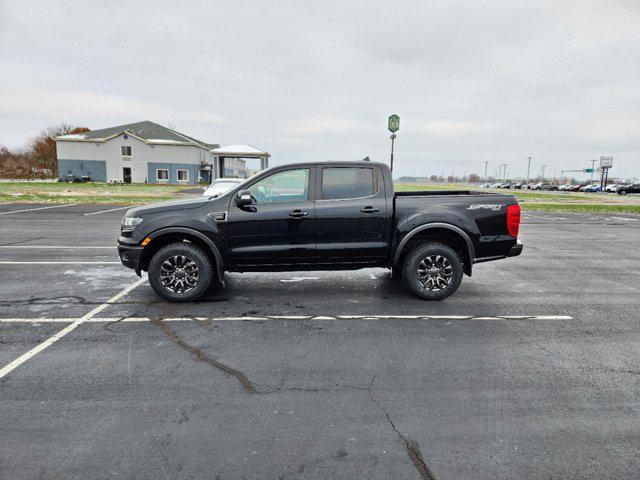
[[130, 255], [516, 249]]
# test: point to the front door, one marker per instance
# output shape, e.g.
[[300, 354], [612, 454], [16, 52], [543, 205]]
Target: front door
[[351, 215], [126, 174], [278, 228]]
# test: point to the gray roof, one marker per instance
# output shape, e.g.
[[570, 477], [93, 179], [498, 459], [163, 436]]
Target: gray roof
[[146, 130]]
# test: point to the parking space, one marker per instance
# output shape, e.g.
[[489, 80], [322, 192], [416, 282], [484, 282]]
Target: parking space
[[529, 370]]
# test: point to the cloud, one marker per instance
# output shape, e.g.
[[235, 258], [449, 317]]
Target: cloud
[[471, 81]]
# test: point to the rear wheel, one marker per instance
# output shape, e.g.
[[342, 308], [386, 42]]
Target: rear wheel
[[622, 192], [433, 271], [180, 272]]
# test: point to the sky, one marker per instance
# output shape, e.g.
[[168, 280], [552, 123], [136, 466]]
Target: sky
[[472, 81]]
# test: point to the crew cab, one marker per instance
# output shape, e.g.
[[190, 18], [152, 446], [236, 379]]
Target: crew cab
[[319, 216]]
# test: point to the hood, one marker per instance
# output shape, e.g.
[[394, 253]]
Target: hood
[[167, 206]]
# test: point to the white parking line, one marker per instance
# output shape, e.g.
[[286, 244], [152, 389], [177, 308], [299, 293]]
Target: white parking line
[[60, 263], [40, 208], [57, 247], [105, 211], [290, 317], [69, 328]]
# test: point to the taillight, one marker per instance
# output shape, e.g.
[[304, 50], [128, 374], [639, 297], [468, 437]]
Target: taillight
[[513, 220]]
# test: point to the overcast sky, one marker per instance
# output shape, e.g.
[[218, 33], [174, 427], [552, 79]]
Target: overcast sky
[[472, 81]]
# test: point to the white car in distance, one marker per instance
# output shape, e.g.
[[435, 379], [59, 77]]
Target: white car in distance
[[222, 185]]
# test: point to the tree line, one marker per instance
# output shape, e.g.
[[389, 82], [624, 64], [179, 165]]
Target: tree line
[[38, 159]]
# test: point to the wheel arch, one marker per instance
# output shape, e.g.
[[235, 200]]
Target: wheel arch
[[165, 236], [444, 232]]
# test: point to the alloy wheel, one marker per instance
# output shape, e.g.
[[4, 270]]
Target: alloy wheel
[[435, 272], [179, 274]]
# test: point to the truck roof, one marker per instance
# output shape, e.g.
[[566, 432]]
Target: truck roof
[[356, 163]]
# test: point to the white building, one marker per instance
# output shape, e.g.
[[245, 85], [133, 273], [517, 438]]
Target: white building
[[137, 153]]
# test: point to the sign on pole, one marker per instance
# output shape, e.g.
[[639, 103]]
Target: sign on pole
[[606, 162], [394, 123]]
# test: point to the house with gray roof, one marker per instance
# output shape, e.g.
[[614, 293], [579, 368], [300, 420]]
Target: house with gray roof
[[142, 152]]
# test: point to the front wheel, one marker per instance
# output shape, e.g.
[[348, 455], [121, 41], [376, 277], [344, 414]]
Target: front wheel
[[432, 271], [180, 272], [622, 192]]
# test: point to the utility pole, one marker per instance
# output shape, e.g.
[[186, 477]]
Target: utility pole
[[593, 164], [485, 171], [543, 167], [528, 169]]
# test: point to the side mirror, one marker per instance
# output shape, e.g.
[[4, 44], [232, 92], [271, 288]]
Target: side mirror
[[243, 198]]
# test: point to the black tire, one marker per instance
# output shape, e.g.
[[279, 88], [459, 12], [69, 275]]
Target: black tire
[[196, 261], [428, 252], [622, 192]]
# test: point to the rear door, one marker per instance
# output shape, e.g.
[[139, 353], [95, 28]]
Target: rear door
[[279, 227], [351, 215]]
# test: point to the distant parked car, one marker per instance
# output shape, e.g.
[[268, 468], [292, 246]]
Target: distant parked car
[[485, 185], [635, 188], [594, 187], [565, 187], [544, 186], [613, 188], [577, 187], [221, 185]]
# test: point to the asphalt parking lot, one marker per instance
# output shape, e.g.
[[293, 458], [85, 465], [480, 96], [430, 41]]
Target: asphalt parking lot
[[531, 370]]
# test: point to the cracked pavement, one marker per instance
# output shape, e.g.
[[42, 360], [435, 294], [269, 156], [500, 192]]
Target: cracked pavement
[[341, 399]]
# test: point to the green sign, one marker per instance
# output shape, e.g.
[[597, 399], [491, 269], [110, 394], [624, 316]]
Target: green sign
[[394, 123], [588, 170]]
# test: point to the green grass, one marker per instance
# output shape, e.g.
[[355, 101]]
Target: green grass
[[587, 207], [90, 187], [87, 199], [411, 187], [93, 193]]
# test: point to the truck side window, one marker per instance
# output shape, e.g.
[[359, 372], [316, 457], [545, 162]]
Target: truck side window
[[282, 187], [347, 182]]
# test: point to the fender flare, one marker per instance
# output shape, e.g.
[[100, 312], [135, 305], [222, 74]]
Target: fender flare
[[430, 226], [189, 231]]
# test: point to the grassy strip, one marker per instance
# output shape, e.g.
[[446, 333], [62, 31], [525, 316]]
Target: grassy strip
[[89, 188], [85, 199], [565, 207]]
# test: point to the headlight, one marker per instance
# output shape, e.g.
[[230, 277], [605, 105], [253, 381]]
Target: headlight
[[129, 223]]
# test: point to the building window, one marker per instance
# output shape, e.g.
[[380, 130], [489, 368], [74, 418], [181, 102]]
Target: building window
[[162, 174], [183, 175], [125, 150]]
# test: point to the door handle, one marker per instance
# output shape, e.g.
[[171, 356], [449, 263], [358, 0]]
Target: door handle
[[369, 209], [298, 214]]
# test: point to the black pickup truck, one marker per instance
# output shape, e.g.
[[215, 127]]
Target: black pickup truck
[[319, 216]]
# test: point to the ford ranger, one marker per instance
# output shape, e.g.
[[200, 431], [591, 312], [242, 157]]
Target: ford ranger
[[319, 216]]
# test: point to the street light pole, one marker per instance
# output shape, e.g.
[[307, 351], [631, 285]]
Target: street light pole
[[528, 169], [593, 164], [393, 137], [543, 167], [485, 171]]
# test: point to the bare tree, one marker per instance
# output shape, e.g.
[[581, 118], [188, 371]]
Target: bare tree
[[39, 158], [42, 147]]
